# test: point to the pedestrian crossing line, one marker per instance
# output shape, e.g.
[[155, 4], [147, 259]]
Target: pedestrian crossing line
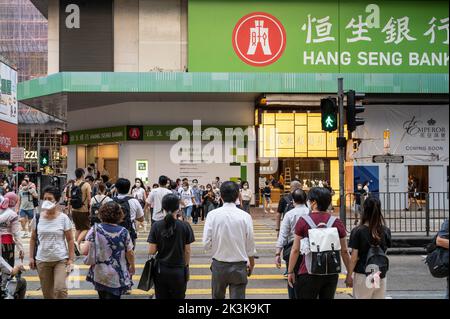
[[192, 277], [189, 292], [198, 238], [192, 266]]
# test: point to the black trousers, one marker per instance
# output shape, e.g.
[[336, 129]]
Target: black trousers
[[316, 287], [170, 282], [107, 295]]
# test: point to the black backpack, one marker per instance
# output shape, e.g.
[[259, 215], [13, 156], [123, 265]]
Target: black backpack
[[94, 211], [376, 261], [437, 260], [76, 196], [289, 204], [127, 222]]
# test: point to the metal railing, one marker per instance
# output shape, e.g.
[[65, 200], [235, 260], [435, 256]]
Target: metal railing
[[421, 213]]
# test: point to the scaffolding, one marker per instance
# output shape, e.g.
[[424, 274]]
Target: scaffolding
[[23, 38]]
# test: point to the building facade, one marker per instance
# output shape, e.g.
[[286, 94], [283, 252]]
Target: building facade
[[124, 71]]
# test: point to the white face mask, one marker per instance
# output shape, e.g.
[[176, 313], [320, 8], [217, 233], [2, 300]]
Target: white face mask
[[48, 205], [185, 189]]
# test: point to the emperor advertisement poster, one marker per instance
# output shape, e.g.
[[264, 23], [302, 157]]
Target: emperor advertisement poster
[[8, 94], [327, 36]]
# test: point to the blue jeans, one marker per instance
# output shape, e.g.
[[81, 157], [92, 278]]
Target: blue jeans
[[188, 211], [27, 213]]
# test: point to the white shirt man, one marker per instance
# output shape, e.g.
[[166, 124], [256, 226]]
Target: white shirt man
[[228, 234], [155, 201]]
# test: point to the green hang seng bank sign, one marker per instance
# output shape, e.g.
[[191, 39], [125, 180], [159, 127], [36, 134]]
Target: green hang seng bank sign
[[327, 36]]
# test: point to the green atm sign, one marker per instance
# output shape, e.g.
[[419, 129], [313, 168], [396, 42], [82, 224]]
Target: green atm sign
[[327, 36]]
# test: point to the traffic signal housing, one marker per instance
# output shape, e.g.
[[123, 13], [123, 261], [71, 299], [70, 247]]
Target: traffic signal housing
[[328, 107], [44, 158], [354, 107]]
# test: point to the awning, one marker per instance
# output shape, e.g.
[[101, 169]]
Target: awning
[[61, 92]]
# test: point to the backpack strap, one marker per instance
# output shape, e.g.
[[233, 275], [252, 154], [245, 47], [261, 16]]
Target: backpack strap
[[309, 221], [331, 221]]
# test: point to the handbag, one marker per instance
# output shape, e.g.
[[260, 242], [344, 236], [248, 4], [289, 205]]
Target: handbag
[[91, 258], [147, 280]]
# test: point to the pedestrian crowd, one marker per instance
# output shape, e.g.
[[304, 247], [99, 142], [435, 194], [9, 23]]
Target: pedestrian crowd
[[107, 218]]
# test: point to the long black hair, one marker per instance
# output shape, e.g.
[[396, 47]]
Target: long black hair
[[372, 215], [170, 204]]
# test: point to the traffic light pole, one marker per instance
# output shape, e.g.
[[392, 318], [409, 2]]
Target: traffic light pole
[[341, 146]]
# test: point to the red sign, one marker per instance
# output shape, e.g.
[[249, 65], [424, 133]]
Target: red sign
[[8, 139], [134, 133], [259, 39], [65, 138]]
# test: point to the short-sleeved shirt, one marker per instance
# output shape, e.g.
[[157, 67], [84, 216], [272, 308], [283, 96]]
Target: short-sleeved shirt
[[86, 192], [26, 198], [186, 197], [171, 250], [267, 191], [52, 239], [155, 199], [302, 227], [111, 271], [361, 239]]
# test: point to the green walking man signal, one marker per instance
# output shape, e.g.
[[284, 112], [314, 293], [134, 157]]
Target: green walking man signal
[[329, 114]]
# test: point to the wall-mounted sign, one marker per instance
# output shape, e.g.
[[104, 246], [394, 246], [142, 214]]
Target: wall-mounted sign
[[142, 170], [328, 36], [8, 94]]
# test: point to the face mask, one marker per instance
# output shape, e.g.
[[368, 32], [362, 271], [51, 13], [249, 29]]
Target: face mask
[[195, 184], [48, 205], [138, 184], [185, 189], [359, 187], [308, 204]]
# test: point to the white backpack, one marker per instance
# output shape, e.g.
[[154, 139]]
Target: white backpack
[[324, 257]]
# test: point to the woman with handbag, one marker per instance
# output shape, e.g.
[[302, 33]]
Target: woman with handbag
[[109, 251], [171, 238]]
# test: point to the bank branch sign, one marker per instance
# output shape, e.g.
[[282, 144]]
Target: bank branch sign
[[259, 39], [329, 36]]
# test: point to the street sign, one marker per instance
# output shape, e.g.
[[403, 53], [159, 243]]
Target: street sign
[[388, 159], [17, 155]]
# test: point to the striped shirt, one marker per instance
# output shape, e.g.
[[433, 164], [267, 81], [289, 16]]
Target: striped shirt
[[52, 240]]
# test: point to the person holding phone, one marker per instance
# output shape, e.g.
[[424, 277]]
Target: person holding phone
[[54, 256]]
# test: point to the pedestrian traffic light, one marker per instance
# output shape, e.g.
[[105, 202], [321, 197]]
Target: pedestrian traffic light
[[329, 114], [354, 106], [44, 158]]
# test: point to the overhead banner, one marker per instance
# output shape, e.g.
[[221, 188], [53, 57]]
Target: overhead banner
[[8, 94], [420, 133], [328, 36]]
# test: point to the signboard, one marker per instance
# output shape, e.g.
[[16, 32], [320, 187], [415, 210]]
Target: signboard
[[329, 36], [8, 139], [8, 94], [132, 133], [142, 170], [17, 155], [420, 133], [388, 159]]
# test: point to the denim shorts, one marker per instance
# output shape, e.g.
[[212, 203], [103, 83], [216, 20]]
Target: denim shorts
[[27, 213]]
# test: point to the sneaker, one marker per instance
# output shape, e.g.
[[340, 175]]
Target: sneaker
[[285, 275], [77, 249]]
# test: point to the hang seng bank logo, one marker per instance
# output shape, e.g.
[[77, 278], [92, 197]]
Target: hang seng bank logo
[[259, 39]]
